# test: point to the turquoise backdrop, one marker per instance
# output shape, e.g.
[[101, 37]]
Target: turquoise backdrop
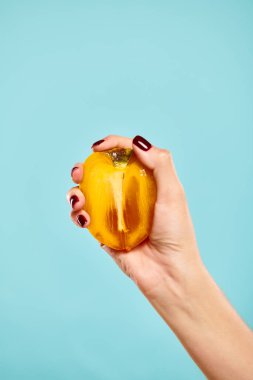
[[180, 74]]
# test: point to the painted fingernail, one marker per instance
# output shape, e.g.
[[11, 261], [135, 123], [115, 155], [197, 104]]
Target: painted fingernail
[[97, 143], [142, 143], [81, 220], [72, 171], [73, 200]]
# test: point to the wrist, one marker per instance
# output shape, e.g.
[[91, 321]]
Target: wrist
[[175, 293]]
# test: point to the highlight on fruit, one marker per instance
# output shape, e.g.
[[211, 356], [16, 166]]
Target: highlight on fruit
[[120, 195]]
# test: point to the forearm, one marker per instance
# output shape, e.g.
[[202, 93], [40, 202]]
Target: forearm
[[209, 328]]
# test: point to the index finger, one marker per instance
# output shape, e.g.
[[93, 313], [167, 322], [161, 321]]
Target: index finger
[[109, 142], [112, 141]]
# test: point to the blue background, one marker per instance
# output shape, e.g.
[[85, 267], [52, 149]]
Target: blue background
[[180, 74]]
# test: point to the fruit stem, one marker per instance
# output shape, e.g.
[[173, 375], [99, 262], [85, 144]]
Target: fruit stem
[[120, 156]]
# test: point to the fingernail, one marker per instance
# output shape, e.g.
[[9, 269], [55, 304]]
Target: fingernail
[[73, 200], [142, 143], [72, 171], [97, 143], [81, 220]]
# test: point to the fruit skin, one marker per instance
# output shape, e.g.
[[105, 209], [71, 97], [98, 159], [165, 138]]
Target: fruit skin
[[120, 195]]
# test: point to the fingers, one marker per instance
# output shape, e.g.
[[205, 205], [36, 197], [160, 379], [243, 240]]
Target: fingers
[[81, 218], [77, 173], [76, 198], [112, 141], [161, 163]]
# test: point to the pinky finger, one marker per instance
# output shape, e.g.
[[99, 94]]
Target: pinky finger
[[80, 218]]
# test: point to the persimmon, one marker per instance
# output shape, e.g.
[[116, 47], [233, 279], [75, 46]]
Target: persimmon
[[120, 194]]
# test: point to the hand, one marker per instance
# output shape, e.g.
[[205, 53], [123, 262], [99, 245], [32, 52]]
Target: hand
[[168, 270], [171, 247]]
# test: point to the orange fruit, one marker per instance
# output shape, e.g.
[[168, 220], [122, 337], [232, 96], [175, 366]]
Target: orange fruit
[[120, 195]]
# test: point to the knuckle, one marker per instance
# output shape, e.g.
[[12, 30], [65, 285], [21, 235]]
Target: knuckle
[[109, 137], [71, 192], [75, 189], [164, 154]]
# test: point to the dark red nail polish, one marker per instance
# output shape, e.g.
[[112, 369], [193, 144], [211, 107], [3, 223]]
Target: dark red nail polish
[[72, 171], [142, 143], [97, 143], [73, 200], [81, 220]]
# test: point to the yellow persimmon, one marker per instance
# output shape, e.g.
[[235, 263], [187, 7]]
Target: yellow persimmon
[[120, 194]]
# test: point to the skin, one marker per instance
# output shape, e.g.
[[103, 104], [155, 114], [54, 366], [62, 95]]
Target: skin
[[168, 270]]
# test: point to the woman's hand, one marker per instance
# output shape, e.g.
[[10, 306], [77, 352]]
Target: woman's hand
[[168, 270], [171, 248]]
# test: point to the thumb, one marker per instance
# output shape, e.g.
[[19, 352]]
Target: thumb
[[161, 163]]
